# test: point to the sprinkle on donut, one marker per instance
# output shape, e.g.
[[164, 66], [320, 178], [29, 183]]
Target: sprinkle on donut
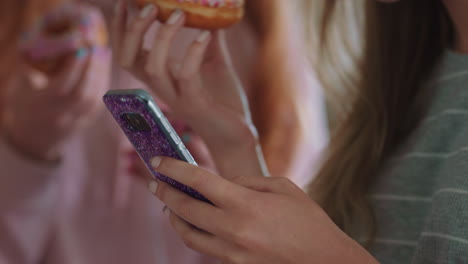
[[202, 14], [216, 3]]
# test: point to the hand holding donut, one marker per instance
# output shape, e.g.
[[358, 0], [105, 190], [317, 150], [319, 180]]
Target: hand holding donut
[[42, 112], [203, 14], [202, 89], [57, 90], [61, 32]]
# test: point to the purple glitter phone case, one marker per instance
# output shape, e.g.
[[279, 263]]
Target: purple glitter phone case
[[149, 131]]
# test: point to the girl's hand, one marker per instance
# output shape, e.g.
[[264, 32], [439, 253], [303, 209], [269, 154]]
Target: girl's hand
[[201, 90], [256, 220], [41, 112]]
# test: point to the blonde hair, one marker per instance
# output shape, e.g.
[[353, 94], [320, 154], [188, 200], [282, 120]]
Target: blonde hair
[[337, 50], [382, 80]]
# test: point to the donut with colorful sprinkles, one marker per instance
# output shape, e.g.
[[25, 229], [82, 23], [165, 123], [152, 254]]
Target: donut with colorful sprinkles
[[202, 14], [65, 30]]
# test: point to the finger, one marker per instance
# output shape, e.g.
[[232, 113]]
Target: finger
[[203, 242], [118, 26], [133, 40], [188, 79], [89, 76], [200, 214], [84, 98], [157, 64], [98, 77], [219, 49], [216, 189], [73, 72], [104, 70]]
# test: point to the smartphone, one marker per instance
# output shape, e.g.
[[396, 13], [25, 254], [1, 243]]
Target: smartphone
[[149, 131]]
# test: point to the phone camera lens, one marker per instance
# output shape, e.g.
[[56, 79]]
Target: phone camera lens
[[137, 122]]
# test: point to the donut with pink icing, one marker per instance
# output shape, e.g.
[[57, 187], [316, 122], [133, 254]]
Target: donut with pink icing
[[203, 14], [61, 32]]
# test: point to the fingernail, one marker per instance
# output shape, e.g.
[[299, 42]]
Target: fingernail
[[81, 53], [203, 36], [155, 162], [175, 17], [153, 187], [148, 10], [174, 70]]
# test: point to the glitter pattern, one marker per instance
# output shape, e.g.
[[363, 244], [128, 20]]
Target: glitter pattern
[[216, 3], [148, 144]]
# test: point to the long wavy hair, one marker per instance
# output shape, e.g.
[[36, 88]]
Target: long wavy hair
[[383, 82]]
